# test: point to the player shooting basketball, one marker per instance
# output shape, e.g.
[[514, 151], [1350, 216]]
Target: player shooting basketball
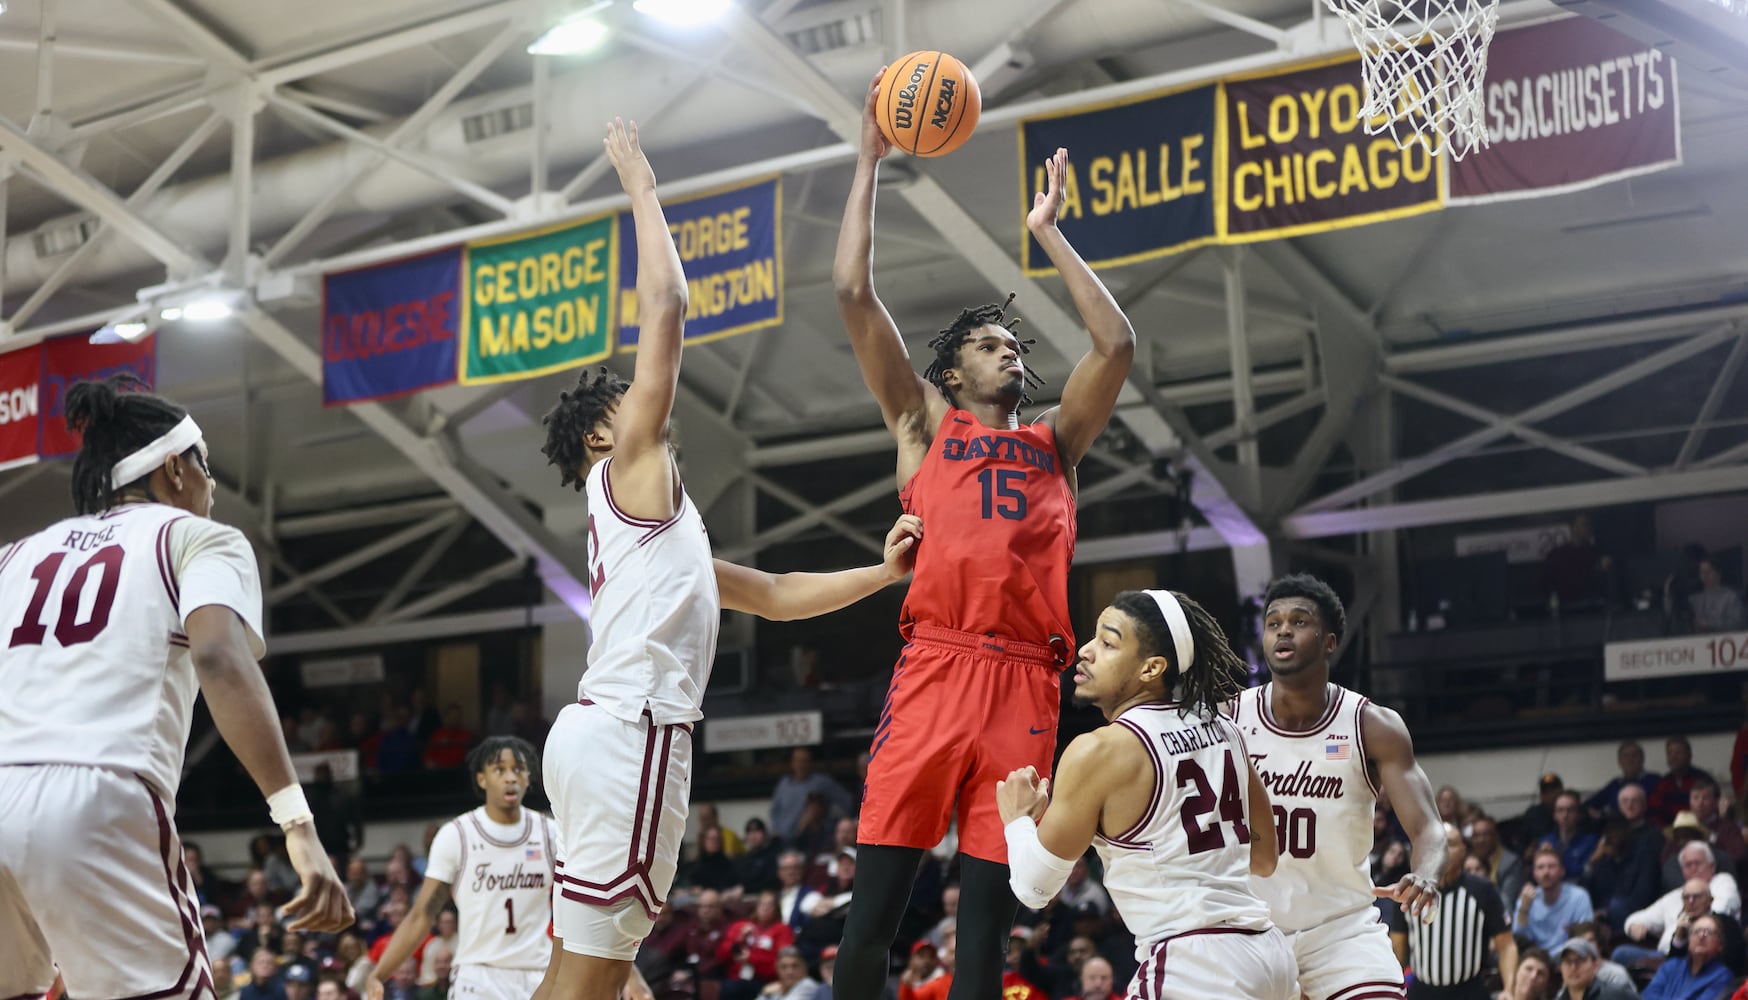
[[976, 692]]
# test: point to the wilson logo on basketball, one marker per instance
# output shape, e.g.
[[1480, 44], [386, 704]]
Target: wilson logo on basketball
[[901, 114]]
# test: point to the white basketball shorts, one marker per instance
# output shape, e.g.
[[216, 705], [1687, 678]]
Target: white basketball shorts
[[1348, 957], [482, 982], [92, 881], [619, 791], [1217, 962]]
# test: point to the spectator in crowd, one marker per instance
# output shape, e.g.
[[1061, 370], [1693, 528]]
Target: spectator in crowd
[[1715, 607], [1697, 859], [1579, 965], [1609, 973], [446, 749], [300, 982], [704, 938], [219, 942], [1389, 867], [501, 716], [925, 977], [1383, 836], [1574, 572], [663, 951], [829, 909], [758, 867], [404, 985], [423, 858], [713, 868], [1576, 847], [949, 915], [828, 964], [291, 950], [264, 981], [267, 854], [1680, 585], [1653, 930], [1535, 976], [1622, 873], [1014, 986], [1631, 758], [1096, 980], [422, 717], [813, 832], [1671, 794], [353, 954], [365, 893], [399, 873], [1538, 820], [438, 987], [1703, 976], [1503, 867], [439, 950], [789, 799], [530, 724], [207, 887], [224, 987], [1448, 956], [1722, 831], [749, 949], [732, 845], [1082, 889], [1058, 976], [393, 912], [397, 746], [262, 932], [843, 837], [794, 898], [1735, 949], [792, 982], [1548, 908], [1450, 806], [337, 820], [331, 988]]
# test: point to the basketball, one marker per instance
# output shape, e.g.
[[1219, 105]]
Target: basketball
[[929, 104]]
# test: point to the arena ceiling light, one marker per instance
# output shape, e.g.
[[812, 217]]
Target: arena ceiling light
[[577, 34], [685, 13]]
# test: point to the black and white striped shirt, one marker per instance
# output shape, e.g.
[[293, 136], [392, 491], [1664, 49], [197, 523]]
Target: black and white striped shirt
[[1453, 948]]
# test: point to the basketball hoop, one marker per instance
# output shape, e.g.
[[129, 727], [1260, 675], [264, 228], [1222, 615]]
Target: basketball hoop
[[1424, 63]]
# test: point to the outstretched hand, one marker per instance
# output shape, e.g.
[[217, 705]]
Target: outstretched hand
[[1023, 793], [1048, 202], [627, 157], [874, 143], [901, 543], [1417, 895]]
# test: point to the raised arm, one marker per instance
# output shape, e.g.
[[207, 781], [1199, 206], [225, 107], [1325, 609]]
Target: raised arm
[[1045, 832], [1091, 391], [643, 479], [909, 404], [782, 597], [1389, 746]]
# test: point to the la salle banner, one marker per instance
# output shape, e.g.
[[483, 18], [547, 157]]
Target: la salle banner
[[731, 248], [539, 302]]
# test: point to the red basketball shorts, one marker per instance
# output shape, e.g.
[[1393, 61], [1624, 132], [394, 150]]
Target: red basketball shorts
[[963, 712]]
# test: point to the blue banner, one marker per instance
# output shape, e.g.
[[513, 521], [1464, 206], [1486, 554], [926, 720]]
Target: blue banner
[[389, 330], [731, 247], [1141, 177]]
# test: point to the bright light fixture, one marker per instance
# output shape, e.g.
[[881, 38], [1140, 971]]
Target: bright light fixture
[[683, 12], [171, 314], [130, 331], [579, 33], [206, 310]]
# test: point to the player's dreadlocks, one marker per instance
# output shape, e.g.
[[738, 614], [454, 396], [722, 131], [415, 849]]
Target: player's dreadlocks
[[577, 413], [1314, 590], [493, 747], [1217, 674], [948, 342], [115, 418]]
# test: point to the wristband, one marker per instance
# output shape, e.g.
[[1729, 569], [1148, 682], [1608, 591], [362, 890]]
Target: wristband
[[288, 807]]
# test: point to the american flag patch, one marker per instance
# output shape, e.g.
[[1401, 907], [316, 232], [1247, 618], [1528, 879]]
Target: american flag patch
[[532, 854], [1337, 751]]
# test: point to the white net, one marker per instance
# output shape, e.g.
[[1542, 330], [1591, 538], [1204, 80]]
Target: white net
[[1424, 63]]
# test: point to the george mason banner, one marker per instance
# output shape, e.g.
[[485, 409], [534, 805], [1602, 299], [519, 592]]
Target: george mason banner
[[537, 303], [731, 247]]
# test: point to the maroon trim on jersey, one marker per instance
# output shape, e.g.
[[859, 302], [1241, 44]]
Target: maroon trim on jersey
[[179, 641], [175, 879], [641, 855], [650, 536], [166, 568], [461, 835], [607, 489], [1388, 991], [1157, 959], [546, 842], [527, 828], [1158, 784], [1316, 729], [1359, 739], [11, 550]]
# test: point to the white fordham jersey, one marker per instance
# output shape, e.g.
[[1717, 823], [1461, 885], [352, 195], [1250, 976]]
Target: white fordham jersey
[[656, 609], [95, 667], [1185, 864], [501, 879], [1323, 793]]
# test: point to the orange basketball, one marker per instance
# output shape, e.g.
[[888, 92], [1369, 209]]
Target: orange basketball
[[929, 104]]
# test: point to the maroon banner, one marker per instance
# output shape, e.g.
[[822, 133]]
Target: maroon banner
[[66, 360], [1298, 161], [1570, 104], [19, 372]]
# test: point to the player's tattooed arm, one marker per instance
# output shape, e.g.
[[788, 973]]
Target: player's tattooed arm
[[433, 896], [436, 900], [1390, 749]]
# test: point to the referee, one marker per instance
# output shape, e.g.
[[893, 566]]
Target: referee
[[1449, 955]]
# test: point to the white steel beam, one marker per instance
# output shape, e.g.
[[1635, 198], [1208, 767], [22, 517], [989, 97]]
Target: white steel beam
[[1141, 545], [399, 512], [42, 121], [399, 39], [1565, 339], [1243, 400], [1514, 503], [1278, 413], [1720, 388], [361, 556], [1512, 425], [416, 572], [101, 51], [1232, 19], [323, 102], [456, 591], [862, 495], [199, 37], [1407, 469], [806, 507], [421, 630], [1724, 457]]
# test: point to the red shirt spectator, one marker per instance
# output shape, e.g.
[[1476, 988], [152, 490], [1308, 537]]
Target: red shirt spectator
[[750, 947], [1672, 792], [449, 743]]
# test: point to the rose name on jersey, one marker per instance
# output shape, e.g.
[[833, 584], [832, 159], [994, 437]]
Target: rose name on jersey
[[485, 880], [1302, 781]]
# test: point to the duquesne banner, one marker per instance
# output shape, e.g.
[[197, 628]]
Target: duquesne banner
[[33, 390], [731, 249], [390, 329], [538, 302]]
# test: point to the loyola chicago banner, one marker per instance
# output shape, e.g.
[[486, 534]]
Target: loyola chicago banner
[[731, 248], [539, 302]]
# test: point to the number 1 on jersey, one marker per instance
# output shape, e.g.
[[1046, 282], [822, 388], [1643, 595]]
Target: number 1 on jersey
[[510, 916]]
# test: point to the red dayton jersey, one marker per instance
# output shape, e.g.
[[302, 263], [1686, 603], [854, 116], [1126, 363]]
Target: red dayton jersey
[[998, 533]]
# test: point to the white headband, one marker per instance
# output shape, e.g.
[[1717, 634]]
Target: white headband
[[175, 441], [1178, 625]]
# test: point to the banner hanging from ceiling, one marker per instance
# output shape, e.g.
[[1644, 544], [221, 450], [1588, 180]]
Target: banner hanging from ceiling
[[66, 360], [390, 329], [20, 371], [731, 248], [538, 302]]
